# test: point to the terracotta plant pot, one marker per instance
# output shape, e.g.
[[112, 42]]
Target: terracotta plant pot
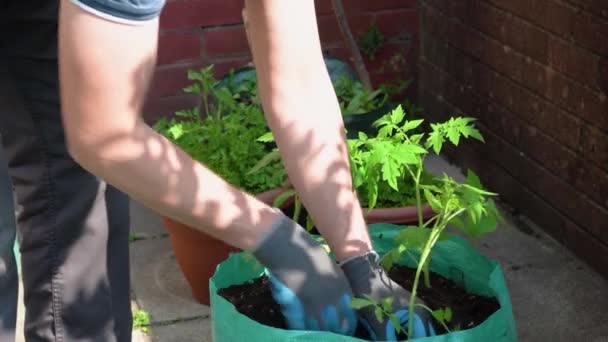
[[198, 254]]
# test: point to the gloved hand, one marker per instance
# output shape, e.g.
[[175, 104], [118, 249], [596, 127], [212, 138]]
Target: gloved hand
[[367, 278], [309, 286]]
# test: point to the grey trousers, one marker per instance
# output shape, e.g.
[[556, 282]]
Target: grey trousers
[[73, 227], [8, 266]]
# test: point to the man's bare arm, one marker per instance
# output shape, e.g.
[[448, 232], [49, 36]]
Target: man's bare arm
[[105, 70], [303, 112]]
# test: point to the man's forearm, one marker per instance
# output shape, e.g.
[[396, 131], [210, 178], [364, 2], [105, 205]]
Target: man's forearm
[[305, 118], [105, 70]]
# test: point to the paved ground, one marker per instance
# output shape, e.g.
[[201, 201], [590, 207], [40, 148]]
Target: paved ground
[[555, 296]]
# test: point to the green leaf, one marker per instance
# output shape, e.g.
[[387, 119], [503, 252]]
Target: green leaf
[[379, 314], [387, 304], [435, 141], [360, 303], [438, 314], [396, 323], [447, 314], [267, 137], [309, 223], [407, 154], [433, 201], [284, 196], [479, 191], [454, 136], [390, 173], [268, 159], [413, 237], [409, 125], [397, 115], [176, 131], [474, 133]]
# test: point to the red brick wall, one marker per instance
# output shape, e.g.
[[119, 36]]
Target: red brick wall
[[535, 74], [196, 33]]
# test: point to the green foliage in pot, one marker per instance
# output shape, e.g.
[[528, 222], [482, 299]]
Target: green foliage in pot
[[354, 99], [396, 154], [225, 139]]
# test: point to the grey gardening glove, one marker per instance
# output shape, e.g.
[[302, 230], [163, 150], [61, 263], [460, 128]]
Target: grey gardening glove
[[309, 286], [368, 279]]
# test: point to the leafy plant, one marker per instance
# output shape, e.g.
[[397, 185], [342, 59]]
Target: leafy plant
[[371, 41], [141, 321], [381, 310], [225, 140], [354, 99], [395, 153]]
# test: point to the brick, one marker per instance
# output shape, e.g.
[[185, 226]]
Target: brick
[[323, 7], [435, 51], [530, 140], [401, 25], [377, 5], [602, 75], [587, 247], [391, 57], [536, 42], [329, 31], [592, 181], [538, 77], [511, 30], [594, 146], [592, 107], [553, 16], [513, 6], [592, 32], [171, 79], [597, 7], [225, 41], [159, 107], [176, 47], [555, 122], [432, 22], [221, 67], [492, 21], [200, 13], [574, 61]]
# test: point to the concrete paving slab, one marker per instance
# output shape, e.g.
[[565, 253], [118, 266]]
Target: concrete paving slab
[[145, 223], [196, 330], [159, 286], [555, 296]]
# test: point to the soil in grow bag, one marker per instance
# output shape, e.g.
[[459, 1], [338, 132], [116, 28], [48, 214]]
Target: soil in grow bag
[[254, 300]]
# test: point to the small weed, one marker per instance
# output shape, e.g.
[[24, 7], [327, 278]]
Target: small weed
[[371, 41], [141, 321]]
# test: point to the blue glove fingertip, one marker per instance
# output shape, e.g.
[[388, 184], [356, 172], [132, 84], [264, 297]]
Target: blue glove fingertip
[[350, 320], [291, 307]]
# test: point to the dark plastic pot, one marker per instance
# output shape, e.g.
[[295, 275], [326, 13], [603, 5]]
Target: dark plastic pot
[[335, 67], [198, 254], [355, 123], [453, 258]]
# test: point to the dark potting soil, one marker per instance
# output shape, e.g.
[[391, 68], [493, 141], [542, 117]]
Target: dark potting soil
[[255, 301]]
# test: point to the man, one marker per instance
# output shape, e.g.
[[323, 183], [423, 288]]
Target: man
[[107, 52]]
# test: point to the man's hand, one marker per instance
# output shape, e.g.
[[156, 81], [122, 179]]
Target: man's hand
[[368, 279], [309, 286]]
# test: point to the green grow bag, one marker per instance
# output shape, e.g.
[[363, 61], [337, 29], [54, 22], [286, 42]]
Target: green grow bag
[[455, 259]]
